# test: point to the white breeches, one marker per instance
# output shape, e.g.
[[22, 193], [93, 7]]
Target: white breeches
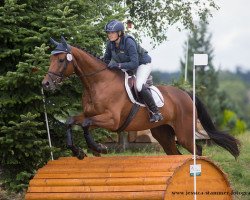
[[142, 74]]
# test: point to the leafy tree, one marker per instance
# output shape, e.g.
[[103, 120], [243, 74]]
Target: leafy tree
[[236, 86], [231, 120], [164, 77], [26, 27], [157, 16], [199, 41]]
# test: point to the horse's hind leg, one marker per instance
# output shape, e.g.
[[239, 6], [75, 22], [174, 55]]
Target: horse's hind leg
[[185, 138], [165, 135], [199, 150]]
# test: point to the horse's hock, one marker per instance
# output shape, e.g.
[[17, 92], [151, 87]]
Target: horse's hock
[[128, 177]]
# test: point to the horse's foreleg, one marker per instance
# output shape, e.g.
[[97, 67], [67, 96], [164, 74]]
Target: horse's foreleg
[[97, 148], [78, 120], [77, 151], [104, 120]]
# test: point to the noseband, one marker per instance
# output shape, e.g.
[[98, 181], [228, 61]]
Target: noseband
[[60, 76]]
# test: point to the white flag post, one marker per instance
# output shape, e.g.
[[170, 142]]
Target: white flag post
[[199, 60], [47, 124]]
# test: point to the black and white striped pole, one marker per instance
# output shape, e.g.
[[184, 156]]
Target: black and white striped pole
[[195, 170]]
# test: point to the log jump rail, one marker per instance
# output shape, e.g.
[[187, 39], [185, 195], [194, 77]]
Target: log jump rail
[[128, 177]]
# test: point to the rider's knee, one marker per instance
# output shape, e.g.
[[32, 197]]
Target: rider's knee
[[139, 86]]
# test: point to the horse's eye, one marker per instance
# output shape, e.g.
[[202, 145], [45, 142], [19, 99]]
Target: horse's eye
[[61, 60]]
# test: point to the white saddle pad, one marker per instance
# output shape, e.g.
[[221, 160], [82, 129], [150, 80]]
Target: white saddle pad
[[157, 96]]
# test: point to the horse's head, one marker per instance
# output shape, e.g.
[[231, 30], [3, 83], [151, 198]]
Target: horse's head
[[61, 65]]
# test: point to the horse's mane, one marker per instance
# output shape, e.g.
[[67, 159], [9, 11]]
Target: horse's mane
[[98, 58], [90, 53]]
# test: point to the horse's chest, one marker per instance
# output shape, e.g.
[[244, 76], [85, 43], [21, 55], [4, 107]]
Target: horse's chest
[[92, 108]]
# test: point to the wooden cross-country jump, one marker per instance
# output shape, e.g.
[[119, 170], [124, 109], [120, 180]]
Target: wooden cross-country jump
[[128, 177]]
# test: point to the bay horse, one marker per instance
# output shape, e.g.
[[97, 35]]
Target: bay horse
[[106, 105]]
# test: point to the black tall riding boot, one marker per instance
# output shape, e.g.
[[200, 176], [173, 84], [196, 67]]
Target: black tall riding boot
[[149, 101]]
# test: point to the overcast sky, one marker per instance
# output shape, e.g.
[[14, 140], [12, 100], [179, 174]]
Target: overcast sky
[[230, 28]]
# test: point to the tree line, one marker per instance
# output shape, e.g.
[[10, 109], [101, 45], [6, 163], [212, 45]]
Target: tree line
[[25, 29]]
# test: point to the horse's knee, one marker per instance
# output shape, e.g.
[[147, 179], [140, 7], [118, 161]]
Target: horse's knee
[[70, 121]]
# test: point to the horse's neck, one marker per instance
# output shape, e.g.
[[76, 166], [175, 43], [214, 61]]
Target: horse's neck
[[90, 70]]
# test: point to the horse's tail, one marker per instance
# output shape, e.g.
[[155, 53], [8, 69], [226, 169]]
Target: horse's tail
[[221, 138]]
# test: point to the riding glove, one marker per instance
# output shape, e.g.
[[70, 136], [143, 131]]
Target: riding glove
[[113, 65]]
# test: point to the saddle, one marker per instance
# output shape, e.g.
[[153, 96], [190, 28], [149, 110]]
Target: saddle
[[133, 94]]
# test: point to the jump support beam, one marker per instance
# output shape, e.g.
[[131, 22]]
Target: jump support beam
[[128, 177]]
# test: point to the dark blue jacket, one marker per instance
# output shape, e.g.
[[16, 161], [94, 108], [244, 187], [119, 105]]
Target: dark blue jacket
[[129, 53]]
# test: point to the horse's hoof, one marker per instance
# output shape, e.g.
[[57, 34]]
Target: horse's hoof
[[102, 148], [79, 153], [96, 154]]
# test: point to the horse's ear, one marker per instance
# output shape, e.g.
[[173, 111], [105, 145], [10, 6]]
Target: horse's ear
[[64, 42], [53, 41]]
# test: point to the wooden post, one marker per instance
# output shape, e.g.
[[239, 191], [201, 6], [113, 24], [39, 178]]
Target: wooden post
[[123, 140]]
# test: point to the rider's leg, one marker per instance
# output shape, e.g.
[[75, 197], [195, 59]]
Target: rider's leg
[[142, 74], [148, 99]]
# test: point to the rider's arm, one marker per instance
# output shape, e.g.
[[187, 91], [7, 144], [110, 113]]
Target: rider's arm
[[133, 55]]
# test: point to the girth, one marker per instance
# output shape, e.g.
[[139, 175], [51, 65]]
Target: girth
[[129, 118], [136, 106]]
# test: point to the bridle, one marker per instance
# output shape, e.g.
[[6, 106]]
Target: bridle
[[60, 76]]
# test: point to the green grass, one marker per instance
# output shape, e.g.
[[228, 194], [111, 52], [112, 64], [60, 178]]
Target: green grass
[[238, 170]]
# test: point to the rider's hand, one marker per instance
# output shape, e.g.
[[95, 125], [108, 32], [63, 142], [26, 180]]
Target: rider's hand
[[113, 65]]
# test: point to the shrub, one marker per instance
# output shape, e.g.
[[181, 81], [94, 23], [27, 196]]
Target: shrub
[[231, 120]]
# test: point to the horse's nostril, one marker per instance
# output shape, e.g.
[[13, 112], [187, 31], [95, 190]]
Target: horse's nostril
[[45, 84]]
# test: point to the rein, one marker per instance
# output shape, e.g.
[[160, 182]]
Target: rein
[[90, 74], [75, 65], [93, 73]]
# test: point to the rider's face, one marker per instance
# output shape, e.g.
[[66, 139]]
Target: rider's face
[[112, 36]]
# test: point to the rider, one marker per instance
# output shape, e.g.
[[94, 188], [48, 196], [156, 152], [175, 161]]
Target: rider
[[122, 52]]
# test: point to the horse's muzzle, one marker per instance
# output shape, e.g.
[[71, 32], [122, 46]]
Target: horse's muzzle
[[48, 84]]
